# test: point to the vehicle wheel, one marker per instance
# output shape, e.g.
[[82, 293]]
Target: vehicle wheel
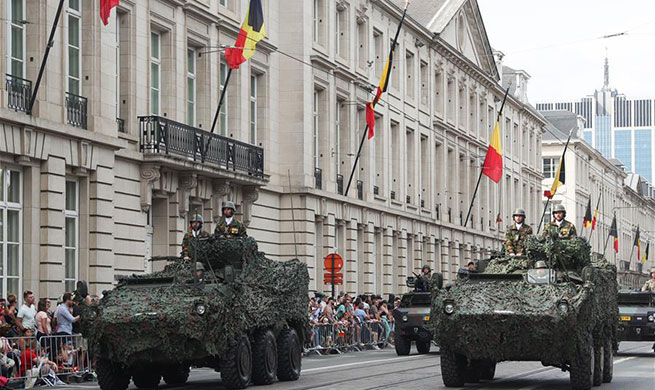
[[146, 377], [608, 361], [111, 376], [264, 358], [453, 368], [486, 369], [289, 359], [423, 346], [582, 365], [598, 364], [176, 375], [236, 368], [403, 344]]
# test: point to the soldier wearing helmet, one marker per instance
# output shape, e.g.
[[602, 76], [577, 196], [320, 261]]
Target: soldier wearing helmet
[[228, 226], [195, 231], [560, 227], [650, 283], [516, 234]]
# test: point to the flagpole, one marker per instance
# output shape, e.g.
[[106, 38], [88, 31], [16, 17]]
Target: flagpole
[[475, 192], [543, 214], [220, 101], [359, 152], [605, 247], [592, 220]]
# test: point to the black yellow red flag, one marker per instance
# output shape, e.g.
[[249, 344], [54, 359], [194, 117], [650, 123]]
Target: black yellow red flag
[[587, 215], [615, 233], [252, 31]]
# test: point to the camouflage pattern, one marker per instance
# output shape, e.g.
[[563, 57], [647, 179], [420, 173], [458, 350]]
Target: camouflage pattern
[[499, 316], [649, 285], [515, 238], [235, 229], [154, 318], [188, 236], [565, 230]]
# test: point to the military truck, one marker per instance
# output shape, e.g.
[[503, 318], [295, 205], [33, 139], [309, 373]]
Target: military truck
[[412, 317], [228, 308], [555, 306], [636, 316]]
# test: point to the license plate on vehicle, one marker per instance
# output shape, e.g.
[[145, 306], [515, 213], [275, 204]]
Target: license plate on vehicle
[[426, 318], [624, 318]]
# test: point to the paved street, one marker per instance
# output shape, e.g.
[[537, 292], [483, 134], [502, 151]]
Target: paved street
[[634, 369]]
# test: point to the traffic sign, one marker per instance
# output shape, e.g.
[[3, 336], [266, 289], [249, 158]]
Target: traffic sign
[[337, 279], [333, 263]]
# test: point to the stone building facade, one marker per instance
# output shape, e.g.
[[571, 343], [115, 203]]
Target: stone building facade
[[116, 153]]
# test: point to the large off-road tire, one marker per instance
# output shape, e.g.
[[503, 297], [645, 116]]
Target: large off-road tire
[[453, 368], [236, 368], [582, 365], [402, 344], [423, 347], [486, 369], [599, 365], [289, 355], [608, 361], [146, 377], [111, 376], [264, 358], [176, 375]]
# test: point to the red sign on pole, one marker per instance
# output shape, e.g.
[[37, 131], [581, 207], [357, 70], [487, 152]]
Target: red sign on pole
[[333, 263]]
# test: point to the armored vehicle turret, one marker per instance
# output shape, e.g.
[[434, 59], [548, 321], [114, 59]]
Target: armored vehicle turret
[[228, 308], [554, 305]]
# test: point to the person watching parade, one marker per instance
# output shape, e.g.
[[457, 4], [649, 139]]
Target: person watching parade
[[228, 226], [560, 227], [517, 234], [650, 283], [195, 231]]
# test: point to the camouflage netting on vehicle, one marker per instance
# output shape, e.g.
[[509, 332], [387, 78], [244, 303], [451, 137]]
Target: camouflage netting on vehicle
[[155, 318], [503, 317]]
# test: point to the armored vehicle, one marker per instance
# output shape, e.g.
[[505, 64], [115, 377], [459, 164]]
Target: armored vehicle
[[555, 306], [412, 317], [636, 316], [228, 308]]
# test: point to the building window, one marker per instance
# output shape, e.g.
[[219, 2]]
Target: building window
[[319, 25], [623, 147], [379, 57], [223, 114], [11, 231], [155, 73], [362, 45], [253, 109], [316, 125], [643, 155], [74, 47], [71, 233], [341, 29], [191, 87], [337, 135], [117, 53], [425, 84], [224, 3], [16, 41], [550, 167]]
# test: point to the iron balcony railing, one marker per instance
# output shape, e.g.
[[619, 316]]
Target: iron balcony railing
[[408, 199], [422, 203], [19, 93], [360, 190], [376, 190], [340, 184], [163, 136], [393, 195], [76, 110], [318, 178], [120, 125]]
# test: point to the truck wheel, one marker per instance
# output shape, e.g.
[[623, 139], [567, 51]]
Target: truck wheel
[[146, 377], [264, 358], [599, 356], [582, 365], [289, 359], [486, 369], [608, 361], [111, 376], [236, 368], [403, 344], [176, 375], [453, 368], [423, 346]]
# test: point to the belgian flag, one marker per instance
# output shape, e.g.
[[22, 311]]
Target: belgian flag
[[105, 9], [637, 243], [644, 259], [252, 31], [560, 178], [587, 215], [615, 233]]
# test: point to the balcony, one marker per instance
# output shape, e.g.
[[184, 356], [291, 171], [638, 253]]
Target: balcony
[[408, 199], [393, 195], [161, 136], [422, 203], [340, 184], [19, 93], [318, 178], [76, 110], [120, 125], [376, 190], [360, 190]]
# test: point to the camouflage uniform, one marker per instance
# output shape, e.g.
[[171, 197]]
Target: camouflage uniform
[[565, 230], [515, 239], [649, 285], [188, 236], [235, 229]]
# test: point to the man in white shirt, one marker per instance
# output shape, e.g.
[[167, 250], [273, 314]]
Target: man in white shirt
[[27, 312]]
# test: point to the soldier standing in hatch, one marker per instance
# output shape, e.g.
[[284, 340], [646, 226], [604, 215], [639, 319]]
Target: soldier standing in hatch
[[516, 234], [560, 227], [195, 232], [228, 226], [650, 284]]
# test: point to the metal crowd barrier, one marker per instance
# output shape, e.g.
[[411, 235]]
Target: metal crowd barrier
[[49, 361], [346, 336]]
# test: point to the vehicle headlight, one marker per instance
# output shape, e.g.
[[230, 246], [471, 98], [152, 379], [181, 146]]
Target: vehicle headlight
[[200, 308], [651, 318], [449, 308], [563, 307], [92, 314], [404, 318]]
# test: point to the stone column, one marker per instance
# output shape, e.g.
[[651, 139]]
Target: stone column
[[455, 260], [387, 261], [430, 242], [101, 229], [53, 186], [445, 256], [369, 262], [31, 226], [402, 257], [351, 275]]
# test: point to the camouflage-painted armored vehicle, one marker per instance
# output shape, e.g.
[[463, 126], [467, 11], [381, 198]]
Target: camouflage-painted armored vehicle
[[243, 315], [555, 306]]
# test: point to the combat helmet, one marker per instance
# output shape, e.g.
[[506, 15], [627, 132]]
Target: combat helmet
[[196, 218], [229, 205], [426, 266], [540, 264], [559, 207], [519, 211], [199, 266]]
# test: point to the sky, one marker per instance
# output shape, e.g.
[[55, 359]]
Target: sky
[[557, 43]]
